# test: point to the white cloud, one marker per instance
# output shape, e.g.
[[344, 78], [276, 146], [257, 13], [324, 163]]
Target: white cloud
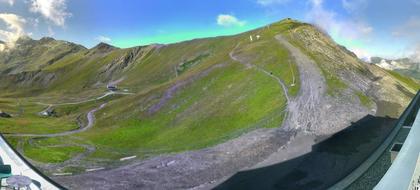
[[53, 10], [361, 53], [415, 56], [10, 2], [2, 47], [316, 2], [347, 29], [408, 29], [50, 31], [416, 2], [365, 29], [272, 2], [229, 20], [14, 30], [103, 39], [355, 6]]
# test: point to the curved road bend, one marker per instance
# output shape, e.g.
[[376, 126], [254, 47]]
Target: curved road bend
[[91, 120], [90, 117], [249, 65], [88, 100]]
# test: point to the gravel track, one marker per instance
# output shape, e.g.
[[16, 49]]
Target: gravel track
[[304, 109], [91, 120], [90, 116], [85, 101], [250, 65]]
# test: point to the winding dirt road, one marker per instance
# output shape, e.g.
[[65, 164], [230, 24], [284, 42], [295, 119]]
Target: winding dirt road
[[250, 65], [303, 112], [88, 100], [90, 116], [91, 120]]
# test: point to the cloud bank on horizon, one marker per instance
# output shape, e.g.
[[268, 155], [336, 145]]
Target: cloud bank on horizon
[[367, 27], [14, 29], [51, 10]]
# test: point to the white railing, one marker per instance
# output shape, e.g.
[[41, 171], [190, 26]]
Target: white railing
[[402, 173], [22, 167]]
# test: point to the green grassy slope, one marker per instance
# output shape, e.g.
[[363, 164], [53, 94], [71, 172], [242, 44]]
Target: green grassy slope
[[406, 80], [186, 96], [216, 99]]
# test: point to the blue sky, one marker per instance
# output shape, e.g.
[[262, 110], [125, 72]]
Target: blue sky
[[386, 28]]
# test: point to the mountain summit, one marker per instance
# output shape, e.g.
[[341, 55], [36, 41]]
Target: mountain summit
[[103, 48], [30, 55]]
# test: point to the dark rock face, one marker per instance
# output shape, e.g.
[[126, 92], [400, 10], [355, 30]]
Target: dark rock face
[[125, 62], [26, 79], [5, 115]]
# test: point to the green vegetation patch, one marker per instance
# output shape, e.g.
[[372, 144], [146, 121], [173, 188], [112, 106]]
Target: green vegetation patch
[[270, 55], [406, 80], [25, 119], [51, 154], [223, 104], [334, 84], [364, 100], [190, 63]]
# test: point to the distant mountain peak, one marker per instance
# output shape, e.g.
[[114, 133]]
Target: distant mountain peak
[[103, 48], [23, 39], [46, 39]]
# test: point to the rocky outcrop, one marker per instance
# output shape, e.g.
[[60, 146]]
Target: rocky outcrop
[[4, 114], [123, 63], [27, 79], [358, 76], [48, 112]]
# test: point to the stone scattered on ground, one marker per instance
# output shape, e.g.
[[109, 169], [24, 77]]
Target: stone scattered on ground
[[4, 114], [49, 112]]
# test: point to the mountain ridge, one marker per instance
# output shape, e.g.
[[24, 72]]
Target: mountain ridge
[[193, 103], [404, 66]]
